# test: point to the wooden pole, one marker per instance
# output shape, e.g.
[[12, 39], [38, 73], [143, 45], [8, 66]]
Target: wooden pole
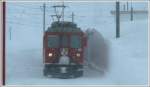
[[10, 33], [131, 13], [117, 19], [127, 6], [73, 17], [44, 7], [4, 28]]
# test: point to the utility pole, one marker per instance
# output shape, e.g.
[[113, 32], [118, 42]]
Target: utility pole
[[44, 7], [117, 19], [127, 6], [10, 33], [73, 17], [131, 12], [63, 11]]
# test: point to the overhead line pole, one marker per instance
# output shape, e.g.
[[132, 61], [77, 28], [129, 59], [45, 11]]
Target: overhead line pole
[[44, 7], [73, 17], [10, 33], [131, 12], [63, 12], [117, 19], [127, 6]]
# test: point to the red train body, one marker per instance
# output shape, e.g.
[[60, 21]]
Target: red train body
[[60, 44]]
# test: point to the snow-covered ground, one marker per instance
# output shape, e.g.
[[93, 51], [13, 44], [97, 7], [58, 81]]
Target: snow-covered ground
[[127, 63]]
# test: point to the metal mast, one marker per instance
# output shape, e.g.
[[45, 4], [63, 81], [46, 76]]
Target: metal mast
[[117, 19], [73, 17], [44, 7]]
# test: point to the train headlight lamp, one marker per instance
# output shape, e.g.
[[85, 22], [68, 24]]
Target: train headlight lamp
[[50, 54], [78, 54]]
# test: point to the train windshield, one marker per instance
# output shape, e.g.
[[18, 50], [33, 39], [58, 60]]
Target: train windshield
[[75, 41], [53, 41], [64, 41]]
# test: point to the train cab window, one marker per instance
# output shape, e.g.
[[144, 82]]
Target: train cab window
[[64, 41], [53, 41], [75, 41]]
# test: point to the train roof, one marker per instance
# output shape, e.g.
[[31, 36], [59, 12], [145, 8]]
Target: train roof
[[64, 26]]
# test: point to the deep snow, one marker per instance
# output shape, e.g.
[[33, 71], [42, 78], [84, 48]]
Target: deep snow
[[126, 64]]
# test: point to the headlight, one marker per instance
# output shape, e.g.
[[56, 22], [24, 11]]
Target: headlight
[[78, 55], [50, 54]]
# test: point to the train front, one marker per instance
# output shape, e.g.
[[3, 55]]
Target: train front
[[63, 50]]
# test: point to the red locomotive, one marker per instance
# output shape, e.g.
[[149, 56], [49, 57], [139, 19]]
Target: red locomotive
[[63, 49]]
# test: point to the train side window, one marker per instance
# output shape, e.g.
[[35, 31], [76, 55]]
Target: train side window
[[53, 41], [75, 41]]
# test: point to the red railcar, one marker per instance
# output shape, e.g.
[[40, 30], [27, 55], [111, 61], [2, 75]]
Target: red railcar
[[63, 50]]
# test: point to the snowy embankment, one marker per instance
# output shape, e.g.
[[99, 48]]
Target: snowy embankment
[[130, 53], [126, 62]]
